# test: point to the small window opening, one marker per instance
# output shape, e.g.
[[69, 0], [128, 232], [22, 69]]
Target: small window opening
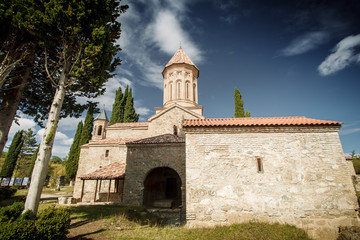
[[259, 163], [175, 130], [107, 153], [99, 130]]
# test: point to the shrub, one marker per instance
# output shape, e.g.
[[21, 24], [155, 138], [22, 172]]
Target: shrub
[[356, 163], [6, 192], [19, 229], [11, 213], [53, 223]]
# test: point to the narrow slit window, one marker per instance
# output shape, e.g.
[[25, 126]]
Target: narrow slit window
[[175, 130], [99, 130], [259, 164], [107, 153]]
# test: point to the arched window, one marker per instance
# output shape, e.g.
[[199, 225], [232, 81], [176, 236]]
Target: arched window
[[178, 90], [170, 91], [194, 92], [187, 90], [175, 130], [99, 130]]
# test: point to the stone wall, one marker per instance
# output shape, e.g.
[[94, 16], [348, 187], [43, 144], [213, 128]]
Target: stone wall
[[142, 158], [127, 133], [305, 179], [165, 123], [92, 157]]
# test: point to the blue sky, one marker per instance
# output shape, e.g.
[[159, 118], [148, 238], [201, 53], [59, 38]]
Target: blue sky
[[288, 58]]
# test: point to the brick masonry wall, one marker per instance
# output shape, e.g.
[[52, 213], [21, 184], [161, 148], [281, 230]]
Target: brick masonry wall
[[305, 180], [142, 158]]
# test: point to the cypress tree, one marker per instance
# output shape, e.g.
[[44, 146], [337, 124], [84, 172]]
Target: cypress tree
[[12, 156], [129, 112], [239, 104], [123, 103], [71, 165], [88, 126], [33, 159], [117, 109]]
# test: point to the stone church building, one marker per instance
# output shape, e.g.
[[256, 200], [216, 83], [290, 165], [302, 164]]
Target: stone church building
[[229, 170]]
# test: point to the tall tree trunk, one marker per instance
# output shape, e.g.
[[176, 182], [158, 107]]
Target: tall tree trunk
[[45, 148], [10, 103]]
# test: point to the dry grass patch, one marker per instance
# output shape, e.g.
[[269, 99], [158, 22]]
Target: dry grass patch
[[119, 222]]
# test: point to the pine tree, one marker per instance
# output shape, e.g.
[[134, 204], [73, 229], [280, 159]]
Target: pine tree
[[12, 155], [33, 159], [27, 150], [129, 112], [88, 127], [71, 164], [117, 109], [239, 105]]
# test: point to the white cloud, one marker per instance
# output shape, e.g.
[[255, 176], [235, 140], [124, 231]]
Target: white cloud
[[349, 131], [107, 99], [62, 142], [167, 33], [304, 43], [69, 123], [24, 124], [159, 26], [143, 111], [343, 55]]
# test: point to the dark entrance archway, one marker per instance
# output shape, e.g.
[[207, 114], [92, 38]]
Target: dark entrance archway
[[162, 188]]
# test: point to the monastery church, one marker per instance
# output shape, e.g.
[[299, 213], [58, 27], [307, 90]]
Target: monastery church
[[222, 171]]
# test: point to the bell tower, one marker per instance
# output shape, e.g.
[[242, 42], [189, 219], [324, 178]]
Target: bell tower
[[180, 82], [100, 123]]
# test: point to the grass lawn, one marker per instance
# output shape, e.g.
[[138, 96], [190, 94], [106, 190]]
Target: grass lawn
[[117, 222]]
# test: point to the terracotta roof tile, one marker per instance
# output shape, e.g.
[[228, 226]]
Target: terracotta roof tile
[[165, 138], [180, 57], [111, 171], [239, 122], [126, 125]]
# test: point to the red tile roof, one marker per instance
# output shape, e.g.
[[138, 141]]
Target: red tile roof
[[180, 57], [240, 122], [165, 138], [126, 125], [111, 171]]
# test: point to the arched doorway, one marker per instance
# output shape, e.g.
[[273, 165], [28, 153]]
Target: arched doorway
[[162, 188]]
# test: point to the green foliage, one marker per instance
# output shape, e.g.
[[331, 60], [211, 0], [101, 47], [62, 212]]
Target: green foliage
[[117, 109], [51, 135], [30, 143], [356, 163], [33, 159], [56, 159], [88, 127], [7, 192], [239, 105], [10, 213], [71, 164], [53, 223], [12, 156], [129, 112]]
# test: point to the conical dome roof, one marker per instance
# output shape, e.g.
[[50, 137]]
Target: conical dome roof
[[102, 115], [180, 57]]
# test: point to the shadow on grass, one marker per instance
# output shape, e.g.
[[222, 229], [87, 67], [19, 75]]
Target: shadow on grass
[[135, 214], [83, 236], [78, 224]]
